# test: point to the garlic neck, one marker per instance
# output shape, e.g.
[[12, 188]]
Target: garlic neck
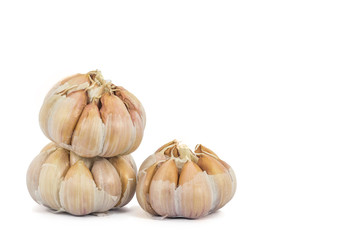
[[98, 86], [180, 153], [184, 154]]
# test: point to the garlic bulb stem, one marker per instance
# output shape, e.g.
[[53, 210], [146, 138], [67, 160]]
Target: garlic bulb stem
[[96, 78]]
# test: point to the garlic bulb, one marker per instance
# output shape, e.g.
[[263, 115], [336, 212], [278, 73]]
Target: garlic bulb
[[92, 117], [63, 181], [175, 182]]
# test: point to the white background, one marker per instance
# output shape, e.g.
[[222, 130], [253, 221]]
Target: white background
[[271, 86]]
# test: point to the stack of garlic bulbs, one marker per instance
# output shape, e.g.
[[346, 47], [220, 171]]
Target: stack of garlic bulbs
[[94, 126]]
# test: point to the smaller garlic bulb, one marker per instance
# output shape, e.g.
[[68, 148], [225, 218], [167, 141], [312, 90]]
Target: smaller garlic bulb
[[175, 182], [92, 117], [63, 181]]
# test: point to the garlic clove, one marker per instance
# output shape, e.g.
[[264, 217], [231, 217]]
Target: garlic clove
[[77, 192], [106, 177], [188, 172], [51, 174], [146, 173], [137, 114], [202, 149], [223, 178], [223, 185], [194, 193], [232, 176], [227, 166], [162, 189], [57, 95], [45, 111], [210, 165], [89, 133], [108, 185], [58, 120], [117, 123], [138, 131], [167, 172], [224, 190], [126, 169], [33, 172], [132, 102]]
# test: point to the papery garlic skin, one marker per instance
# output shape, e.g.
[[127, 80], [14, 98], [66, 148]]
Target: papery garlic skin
[[92, 117], [176, 182], [64, 181]]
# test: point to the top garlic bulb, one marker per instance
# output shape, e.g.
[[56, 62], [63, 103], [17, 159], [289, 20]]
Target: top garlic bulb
[[92, 117]]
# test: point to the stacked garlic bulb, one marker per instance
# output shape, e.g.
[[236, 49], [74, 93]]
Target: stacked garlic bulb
[[175, 182], [92, 117], [64, 181], [94, 126]]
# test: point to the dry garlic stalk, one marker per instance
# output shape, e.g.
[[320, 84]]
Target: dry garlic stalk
[[92, 117], [64, 181], [175, 182]]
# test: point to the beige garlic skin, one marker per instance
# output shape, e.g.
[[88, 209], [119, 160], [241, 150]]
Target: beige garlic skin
[[92, 117], [63, 181], [175, 182]]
